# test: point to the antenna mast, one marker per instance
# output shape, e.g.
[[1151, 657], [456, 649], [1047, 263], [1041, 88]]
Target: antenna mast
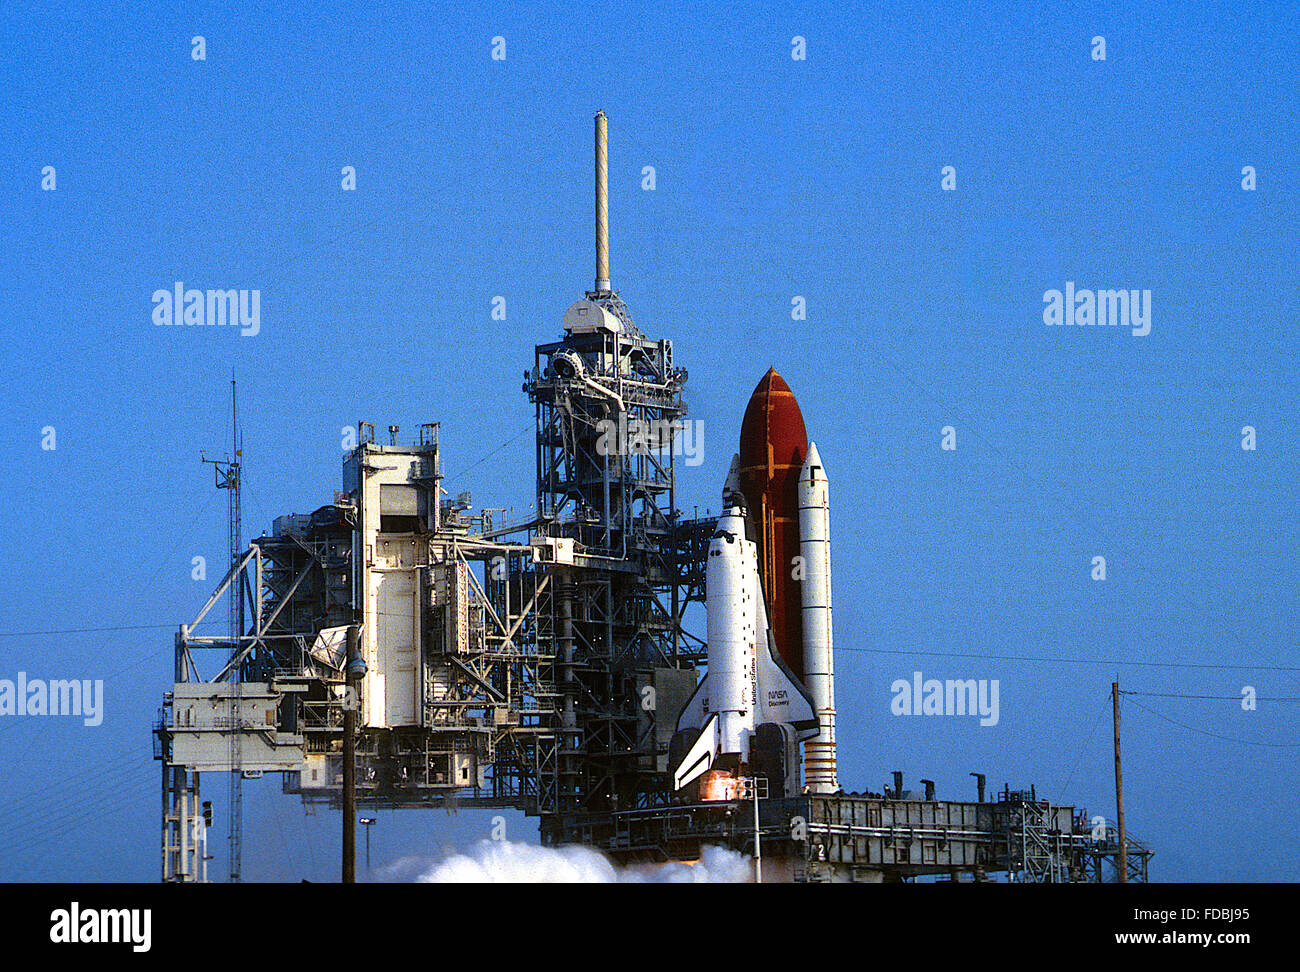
[[229, 476]]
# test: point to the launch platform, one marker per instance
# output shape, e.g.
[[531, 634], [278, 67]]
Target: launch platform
[[403, 649]]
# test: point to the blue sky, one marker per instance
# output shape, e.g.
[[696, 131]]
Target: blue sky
[[776, 178]]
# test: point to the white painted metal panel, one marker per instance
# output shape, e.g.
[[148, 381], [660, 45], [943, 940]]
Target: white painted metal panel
[[397, 628], [204, 716]]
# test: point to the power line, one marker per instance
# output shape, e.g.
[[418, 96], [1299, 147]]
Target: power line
[[41, 817], [839, 648], [1207, 732], [1082, 749], [145, 627], [1223, 698], [44, 819], [40, 835], [54, 631], [107, 775], [105, 676], [480, 461], [1069, 661]]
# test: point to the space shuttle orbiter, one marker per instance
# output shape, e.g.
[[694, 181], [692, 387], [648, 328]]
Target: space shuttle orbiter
[[750, 712]]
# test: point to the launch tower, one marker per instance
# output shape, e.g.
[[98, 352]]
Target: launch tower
[[542, 663]]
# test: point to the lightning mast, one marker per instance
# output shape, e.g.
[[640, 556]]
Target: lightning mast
[[228, 474]]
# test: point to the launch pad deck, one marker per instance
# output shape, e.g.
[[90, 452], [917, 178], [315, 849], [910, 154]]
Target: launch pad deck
[[873, 838]]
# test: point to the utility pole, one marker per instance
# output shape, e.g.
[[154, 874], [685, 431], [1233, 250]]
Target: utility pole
[[349, 795], [356, 668], [229, 475], [1119, 791]]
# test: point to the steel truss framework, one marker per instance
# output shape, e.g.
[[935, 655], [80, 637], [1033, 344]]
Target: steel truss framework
[[548, 690], [609, 403]]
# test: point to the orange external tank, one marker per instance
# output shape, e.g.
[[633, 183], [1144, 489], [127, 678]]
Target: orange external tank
[[773, 444]]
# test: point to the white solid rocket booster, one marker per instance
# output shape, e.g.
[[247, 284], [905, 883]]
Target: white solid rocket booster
[[820, 773]]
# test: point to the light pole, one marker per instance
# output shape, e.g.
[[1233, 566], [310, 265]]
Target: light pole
[[754, 784], [367, 822]]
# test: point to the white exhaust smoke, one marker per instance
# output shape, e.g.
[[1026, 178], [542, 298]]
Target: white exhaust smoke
[[503, 862]]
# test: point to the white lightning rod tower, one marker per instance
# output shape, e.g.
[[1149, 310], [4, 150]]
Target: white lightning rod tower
[[602, 204]]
